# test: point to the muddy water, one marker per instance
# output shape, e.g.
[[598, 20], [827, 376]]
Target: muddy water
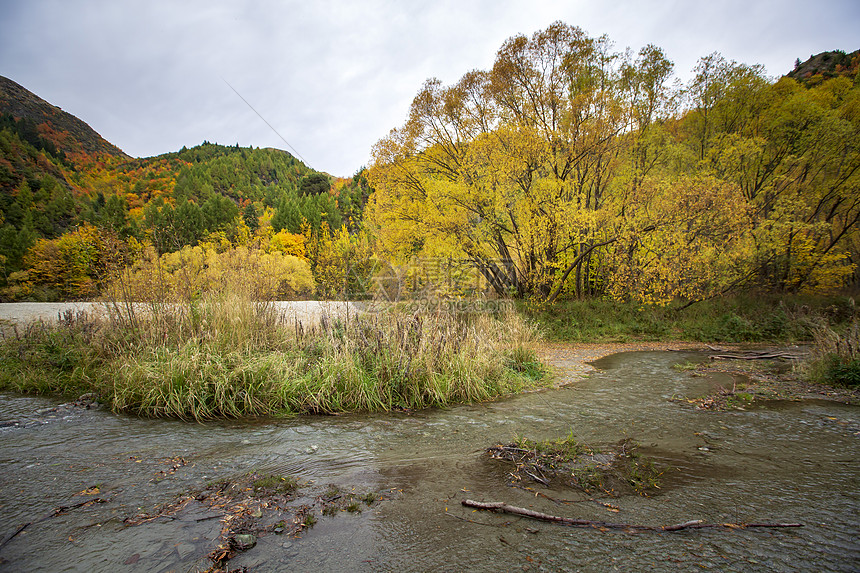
[[784, 462]]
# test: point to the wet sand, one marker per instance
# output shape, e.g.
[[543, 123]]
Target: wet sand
[[573, 360]]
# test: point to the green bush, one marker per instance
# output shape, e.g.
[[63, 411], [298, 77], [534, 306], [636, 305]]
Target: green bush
[[842, 374]]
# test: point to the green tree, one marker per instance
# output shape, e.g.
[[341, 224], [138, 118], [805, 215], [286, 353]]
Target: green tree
[[189, 223], [219, 213], [251, 217], [314, 184], [287, 215]]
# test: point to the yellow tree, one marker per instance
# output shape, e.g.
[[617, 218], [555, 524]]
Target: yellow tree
[[505, 168], [687, 237], [797, 158]]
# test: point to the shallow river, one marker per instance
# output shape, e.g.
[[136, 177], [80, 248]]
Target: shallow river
[[790, 462]]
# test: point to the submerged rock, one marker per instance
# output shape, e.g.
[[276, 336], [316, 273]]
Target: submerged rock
[[243, 541]]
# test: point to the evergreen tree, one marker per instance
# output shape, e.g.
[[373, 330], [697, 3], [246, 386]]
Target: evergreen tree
[[251, 217]]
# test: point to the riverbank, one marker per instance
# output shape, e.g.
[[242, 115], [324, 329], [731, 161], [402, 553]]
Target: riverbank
[[750, 318], [226, 357], [755, 380], [573, 360]]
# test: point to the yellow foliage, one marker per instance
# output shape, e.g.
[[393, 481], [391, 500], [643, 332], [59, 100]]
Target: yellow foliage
[[288, 244], [562, 170], [188, 273], [69, 265], [344, 264], [690, 238]]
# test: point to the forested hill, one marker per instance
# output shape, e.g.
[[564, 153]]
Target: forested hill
[[61, 182], [826, 65], [51, 123]]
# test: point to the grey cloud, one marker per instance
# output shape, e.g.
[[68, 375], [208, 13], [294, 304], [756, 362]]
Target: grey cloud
[[335, 76]]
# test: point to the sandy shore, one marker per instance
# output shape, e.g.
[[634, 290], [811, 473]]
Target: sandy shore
[[572, 360]]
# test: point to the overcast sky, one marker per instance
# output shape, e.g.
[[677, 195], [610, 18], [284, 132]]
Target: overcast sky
[[333, 77]]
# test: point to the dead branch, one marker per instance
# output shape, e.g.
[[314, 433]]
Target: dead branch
[[757, 355], [544, 481], [602, 525]]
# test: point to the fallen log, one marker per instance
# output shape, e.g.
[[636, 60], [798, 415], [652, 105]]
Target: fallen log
[[756, 356], [602, 525]]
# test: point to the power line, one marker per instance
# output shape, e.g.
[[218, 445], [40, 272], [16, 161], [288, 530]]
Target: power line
[[299, 155]]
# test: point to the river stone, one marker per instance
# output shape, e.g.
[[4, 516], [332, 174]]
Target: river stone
[[244, 541]]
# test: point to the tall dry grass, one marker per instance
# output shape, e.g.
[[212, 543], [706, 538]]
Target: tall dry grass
[[835, 355], [227, 355]]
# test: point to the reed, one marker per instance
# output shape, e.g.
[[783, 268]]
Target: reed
[[228, 356], [835, 355]]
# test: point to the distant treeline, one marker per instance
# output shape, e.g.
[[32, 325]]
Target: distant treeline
[[568, 169], [67, 223]]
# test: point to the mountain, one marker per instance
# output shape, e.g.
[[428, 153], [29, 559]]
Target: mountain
[[826, 65], [52, 123], [58, 176]]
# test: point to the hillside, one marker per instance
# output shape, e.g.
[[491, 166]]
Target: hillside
[[52, 123], [58, 176], [826, 65]]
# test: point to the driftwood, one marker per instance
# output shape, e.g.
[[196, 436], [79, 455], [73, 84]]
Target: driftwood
[[756, 355], [695, 524]]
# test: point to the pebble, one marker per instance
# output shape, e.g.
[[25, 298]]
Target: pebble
[[244, 541]]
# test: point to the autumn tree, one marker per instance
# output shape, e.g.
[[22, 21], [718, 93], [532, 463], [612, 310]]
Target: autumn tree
[[506, 168]]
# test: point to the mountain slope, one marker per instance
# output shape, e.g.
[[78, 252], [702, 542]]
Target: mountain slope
[[826, 65], [61, 128], [66, 193]]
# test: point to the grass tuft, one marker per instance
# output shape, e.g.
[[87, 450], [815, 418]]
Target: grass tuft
[[835, 356], [226, 356]]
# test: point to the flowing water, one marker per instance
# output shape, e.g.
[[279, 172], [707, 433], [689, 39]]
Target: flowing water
[[786, 461]]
